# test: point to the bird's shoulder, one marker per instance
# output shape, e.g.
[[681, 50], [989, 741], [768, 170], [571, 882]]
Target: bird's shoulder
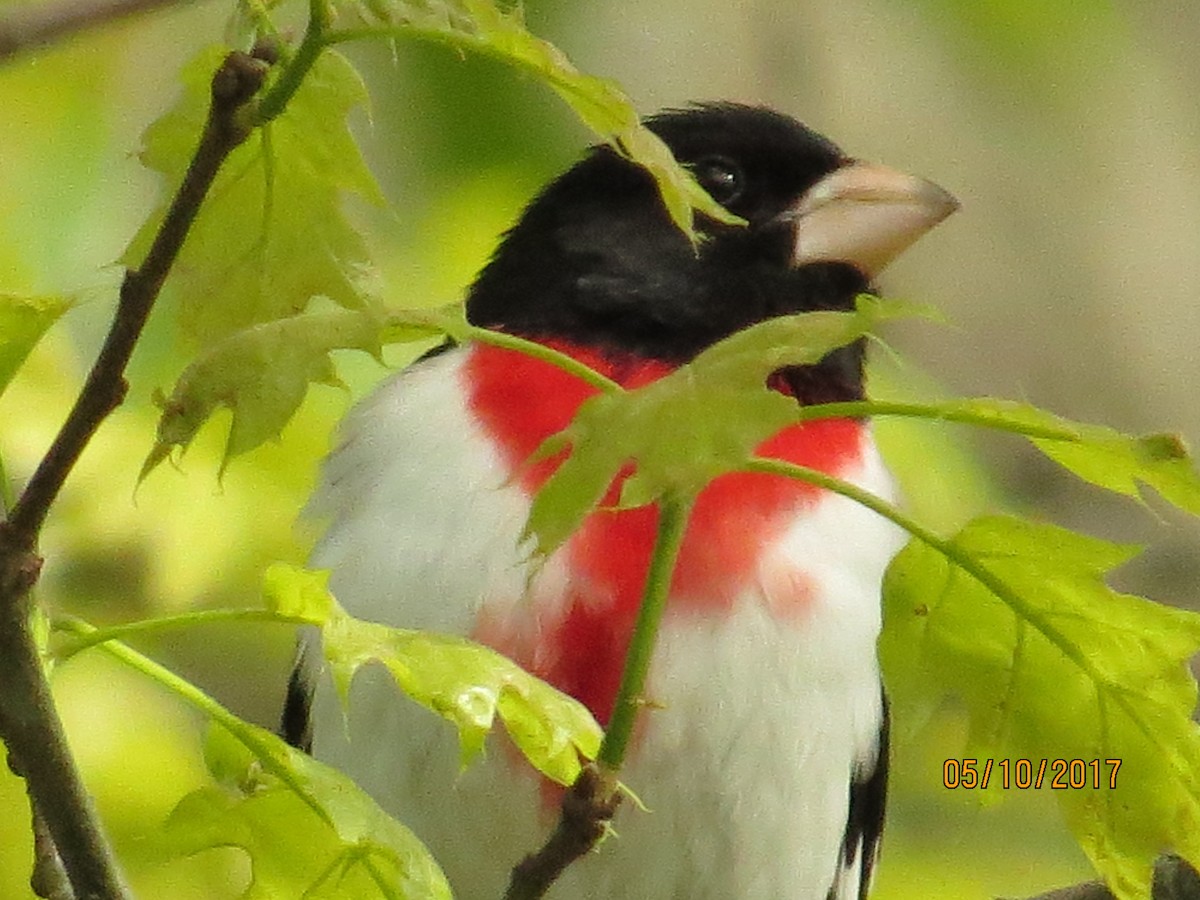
[[416, 502]]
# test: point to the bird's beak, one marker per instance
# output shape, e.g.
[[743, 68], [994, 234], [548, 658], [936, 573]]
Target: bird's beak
[[866, 215]]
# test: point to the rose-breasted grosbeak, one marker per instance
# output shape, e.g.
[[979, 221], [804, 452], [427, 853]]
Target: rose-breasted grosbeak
[[764, 761]]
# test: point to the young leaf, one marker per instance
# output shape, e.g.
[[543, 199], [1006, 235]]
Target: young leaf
[[308, 830], [484, 27], [1122, 463], [701, 420], [1015, 618], [23, 321], [464, 682], [261, 374], [272, 233]]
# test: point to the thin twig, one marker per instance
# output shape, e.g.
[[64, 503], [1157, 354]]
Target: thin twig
[[26, 27], [29, 722]]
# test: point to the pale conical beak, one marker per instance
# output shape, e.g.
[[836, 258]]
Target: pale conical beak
[[866, 215]]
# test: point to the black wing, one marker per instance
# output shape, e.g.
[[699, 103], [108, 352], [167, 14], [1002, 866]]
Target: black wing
[[295, 725], [864, 823]]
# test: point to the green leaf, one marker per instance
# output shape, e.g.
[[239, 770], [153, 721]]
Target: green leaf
[[308, 830], [1015, 618], [271, 233], [487, 28], [1122, 463], [23, 321], [683, 430], [462, 681], [262, 374]]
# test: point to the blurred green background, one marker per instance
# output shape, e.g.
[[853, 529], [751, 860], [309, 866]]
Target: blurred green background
[[1068, 128]]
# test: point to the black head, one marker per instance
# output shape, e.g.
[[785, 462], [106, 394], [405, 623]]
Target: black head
[[753, 161], [595, 259]]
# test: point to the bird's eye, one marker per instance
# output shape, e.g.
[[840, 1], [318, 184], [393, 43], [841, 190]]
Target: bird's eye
[[721, 177]]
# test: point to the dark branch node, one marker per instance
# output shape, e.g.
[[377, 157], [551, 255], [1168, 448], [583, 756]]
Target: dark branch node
[[20, 567], [237, 80], [587, 808]]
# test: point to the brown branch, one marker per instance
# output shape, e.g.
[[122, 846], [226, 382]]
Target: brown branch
[[36, 743], [29, 26], [590, 803], [587, 808], [49, 879], [29, 723], [1174, 879], [234, 83]]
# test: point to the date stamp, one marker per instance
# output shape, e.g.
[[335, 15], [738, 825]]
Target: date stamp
[[1025, 774]]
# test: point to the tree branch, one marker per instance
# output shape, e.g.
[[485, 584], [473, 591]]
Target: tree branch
[[235, 82], [27, 27], [587, 808], [29, 723], [1174, 879], [37, 745], [49, 878]]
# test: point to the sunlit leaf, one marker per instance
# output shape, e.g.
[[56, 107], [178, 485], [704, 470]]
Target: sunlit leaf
[[1122, 463], [701, 420], [262, 373], [1015, 618], [23, 321], [488, 28], [462, 681], [307, 829], [272, 233]]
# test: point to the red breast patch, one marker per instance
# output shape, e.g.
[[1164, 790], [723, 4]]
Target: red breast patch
[[580, 643]]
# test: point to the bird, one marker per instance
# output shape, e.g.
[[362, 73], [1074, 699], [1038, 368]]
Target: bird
[[762, 758]]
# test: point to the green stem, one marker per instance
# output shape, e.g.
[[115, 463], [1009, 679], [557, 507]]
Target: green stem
[[447, 36], [957, 415], [852, 491], [672, 524], [277, 96], [258, 742], [83, 640], [527, 347], [947, 547], [405, 325]]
